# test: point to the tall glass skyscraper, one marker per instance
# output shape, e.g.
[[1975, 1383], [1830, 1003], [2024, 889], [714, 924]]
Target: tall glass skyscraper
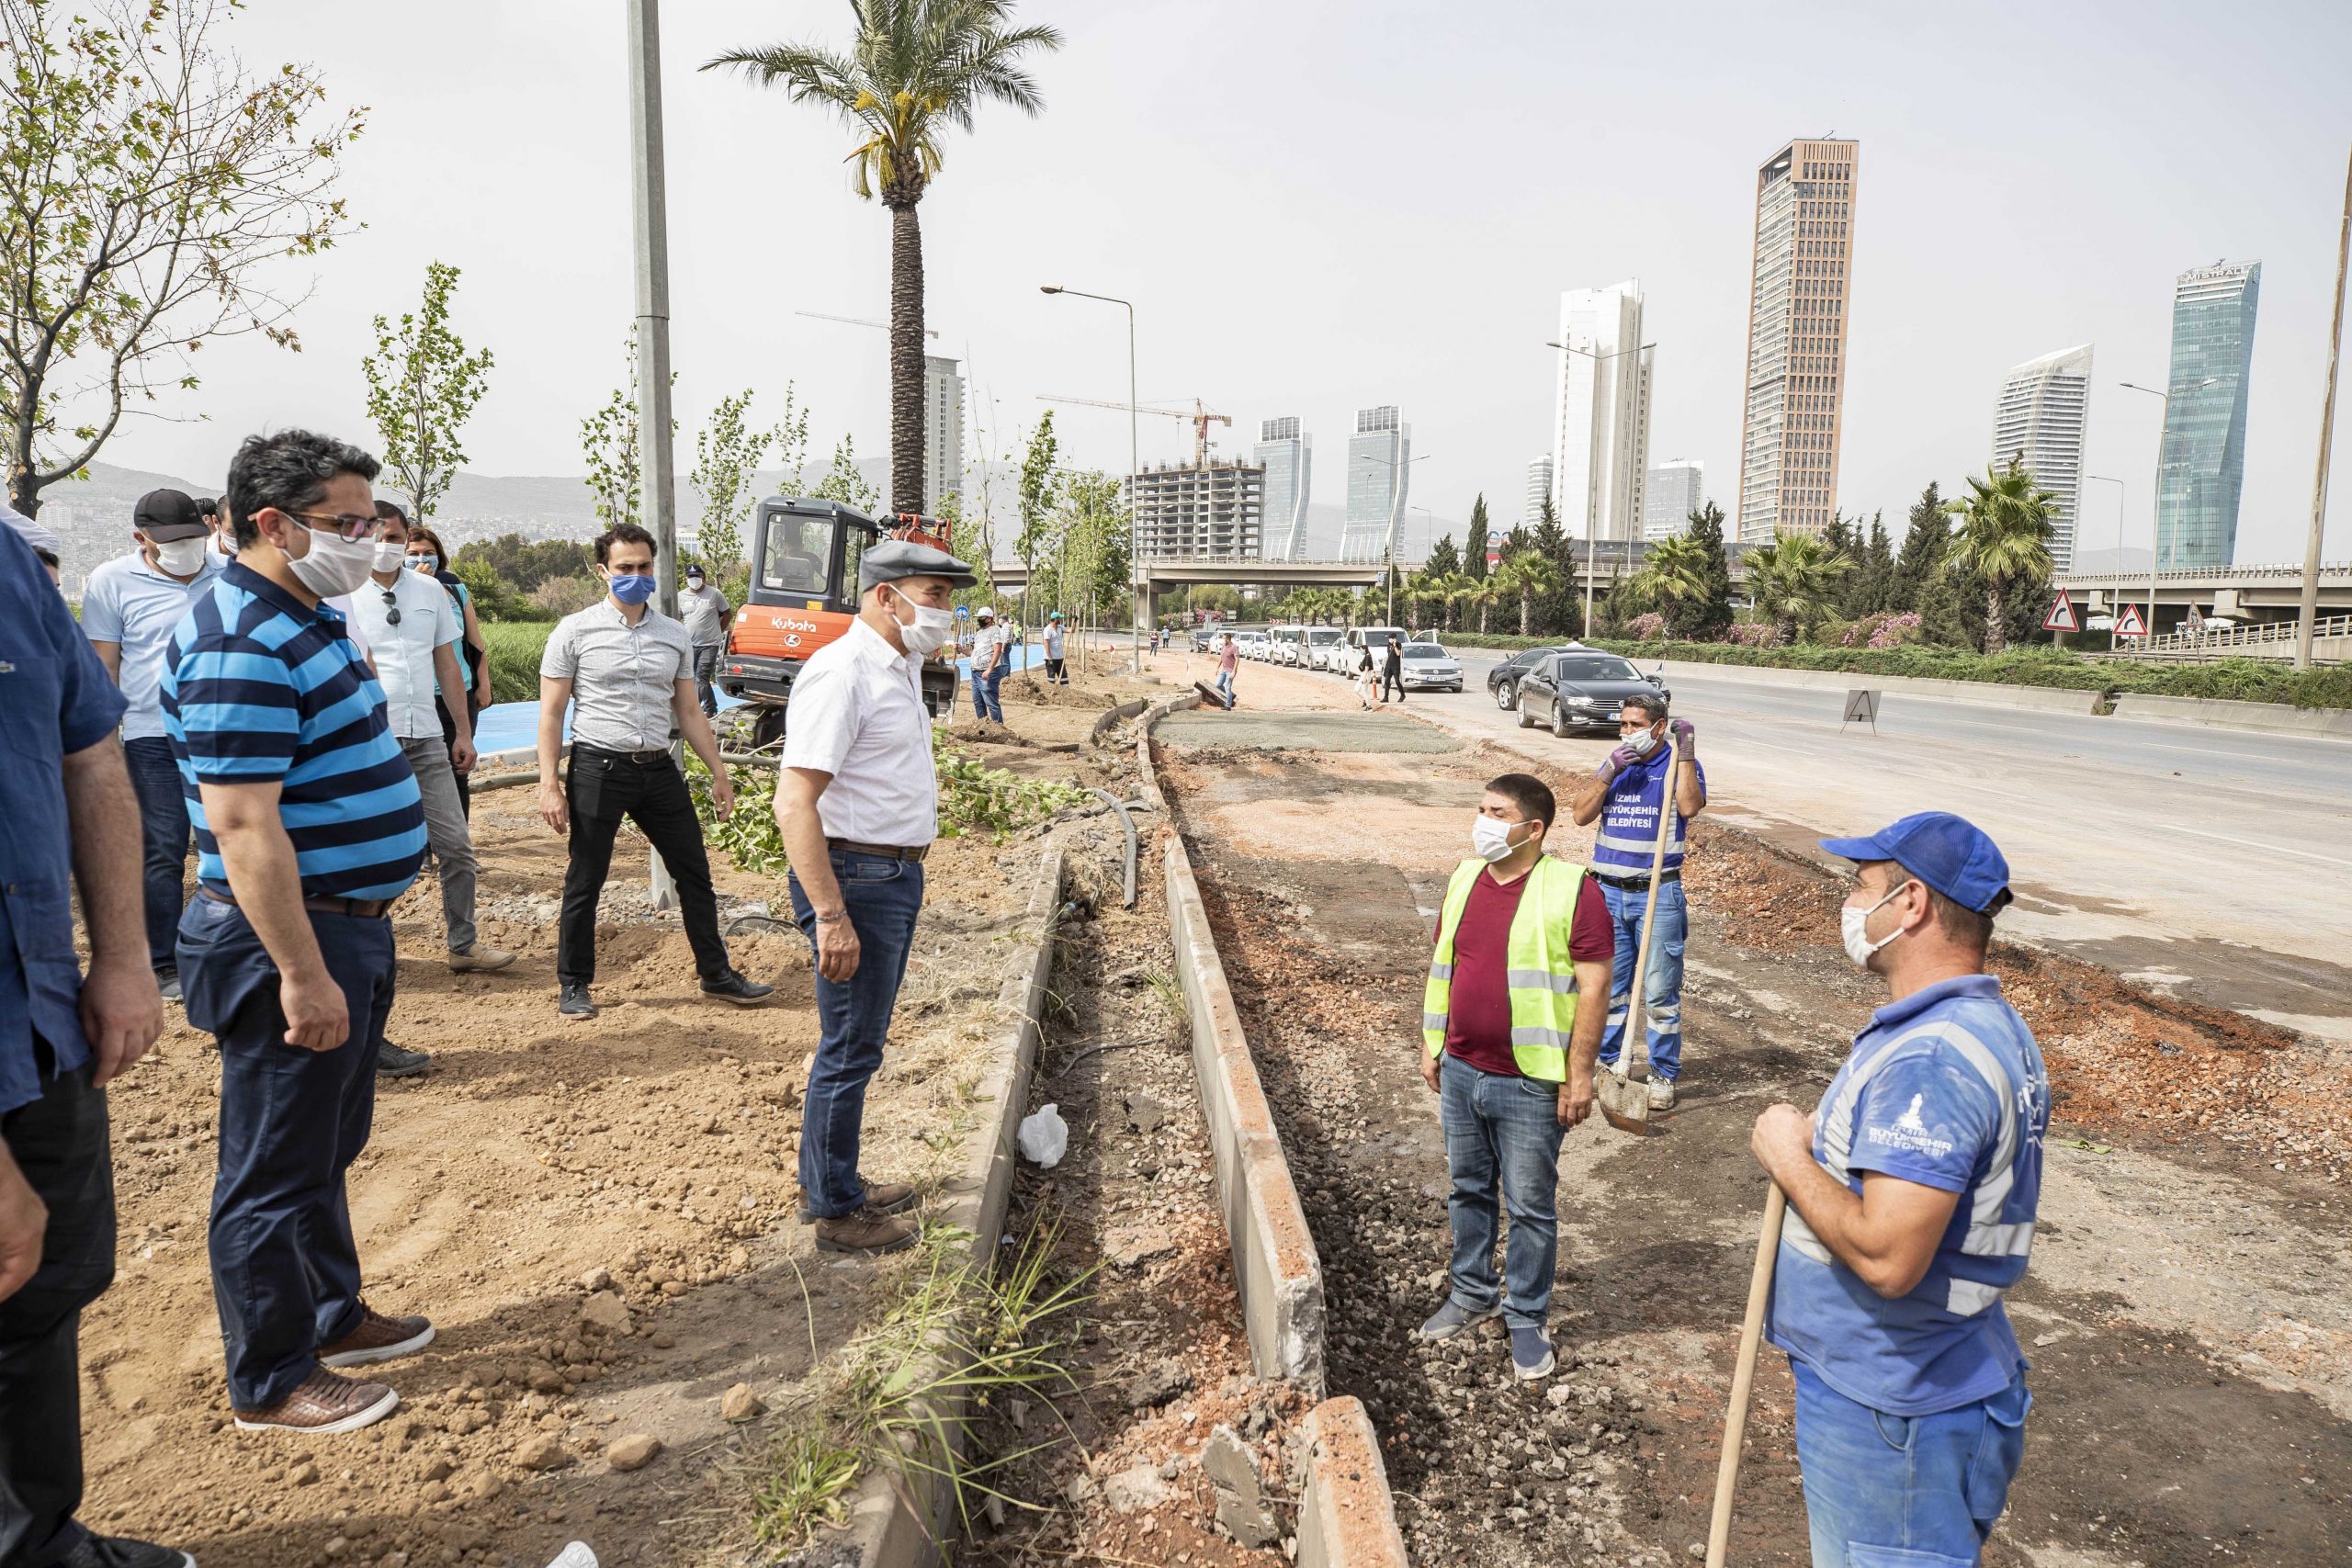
[[2203, 465], [1600, 449], [1288, 458], [1379, 457]]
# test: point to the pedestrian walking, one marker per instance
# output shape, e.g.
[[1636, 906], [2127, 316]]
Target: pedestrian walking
[[1912, 1196], [627, 672], [1367, 680], [70, 820], [708, 616], [309, 823], [1626, 795], [1521, 939], [1392, 671], [426, 554], [857, 801], [1057, 656], [132, 607], [1229, 659], [987, 666]]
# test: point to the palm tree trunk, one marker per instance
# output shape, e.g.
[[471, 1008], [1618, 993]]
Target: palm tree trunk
[[1997, 631], [1526, 611], [905, 357]]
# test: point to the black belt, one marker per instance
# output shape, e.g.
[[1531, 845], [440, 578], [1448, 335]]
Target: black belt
[[1673, 873], [887, 851], [640, 758], [361, 909]]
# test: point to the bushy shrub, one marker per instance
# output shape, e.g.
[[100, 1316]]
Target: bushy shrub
[[1647, 627], [1756, 634], [514, 649], [1883, 628]]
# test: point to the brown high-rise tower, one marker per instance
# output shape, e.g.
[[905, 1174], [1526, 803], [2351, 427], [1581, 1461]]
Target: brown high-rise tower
[[1797, 338]]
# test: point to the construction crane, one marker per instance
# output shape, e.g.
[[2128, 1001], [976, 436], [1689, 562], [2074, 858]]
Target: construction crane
[[1199, 413], [857, 322]]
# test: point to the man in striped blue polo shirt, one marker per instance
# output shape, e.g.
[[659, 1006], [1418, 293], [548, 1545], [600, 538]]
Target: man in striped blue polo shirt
[[308, 825], [1912, 1198]]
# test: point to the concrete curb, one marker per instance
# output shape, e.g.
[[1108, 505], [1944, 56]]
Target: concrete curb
[[1113, 718], [1346, 1515], [2223, 713], [898, 1521], [2046, 699]]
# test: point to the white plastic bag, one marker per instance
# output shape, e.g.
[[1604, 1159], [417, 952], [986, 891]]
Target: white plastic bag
[[575, 1555], [1043, 1137]]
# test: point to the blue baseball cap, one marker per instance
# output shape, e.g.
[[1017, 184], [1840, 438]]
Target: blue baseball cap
[[1949, 853]]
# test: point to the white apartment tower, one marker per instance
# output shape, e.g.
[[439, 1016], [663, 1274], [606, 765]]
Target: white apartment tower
[[1601, 434], [1671, 492], [1288, 458], [2041, 420], [1539, 491], [943, 431], [1380, 458]]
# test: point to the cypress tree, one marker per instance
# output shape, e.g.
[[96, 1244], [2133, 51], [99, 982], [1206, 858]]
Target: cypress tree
[[1709, 618], [1473, 554], [1444, 560], [1924, 545]]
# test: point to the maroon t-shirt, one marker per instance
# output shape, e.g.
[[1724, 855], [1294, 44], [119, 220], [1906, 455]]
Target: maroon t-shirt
[[1477, 1018]]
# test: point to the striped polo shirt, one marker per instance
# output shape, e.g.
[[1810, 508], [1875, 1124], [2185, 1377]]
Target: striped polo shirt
[[257, 687]]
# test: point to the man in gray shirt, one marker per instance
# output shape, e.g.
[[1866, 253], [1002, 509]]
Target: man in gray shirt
[[707, 615], [627, 672]]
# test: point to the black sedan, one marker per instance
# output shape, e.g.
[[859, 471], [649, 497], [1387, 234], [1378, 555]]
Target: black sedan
[[1502, 681], [1581, 690]]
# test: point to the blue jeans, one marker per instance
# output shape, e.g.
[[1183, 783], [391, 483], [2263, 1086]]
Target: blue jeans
[[285, 1265], [985, 687], [883, 897], [1885, 1491], [1508, 1127], [166, 836], [1225, 685], [1661, 985]]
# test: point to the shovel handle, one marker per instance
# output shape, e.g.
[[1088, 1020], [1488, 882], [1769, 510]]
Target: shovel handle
[[1666, 815], [1743, 1376]]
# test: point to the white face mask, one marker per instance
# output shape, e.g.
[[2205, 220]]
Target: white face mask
[[334, 564], [1491, 840], [931, 628], [1850, 922], [1642, 742], [390, 557], [181, 557]]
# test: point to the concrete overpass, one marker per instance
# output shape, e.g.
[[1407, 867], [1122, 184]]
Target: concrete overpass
[[1251, 571], [2242, 593]]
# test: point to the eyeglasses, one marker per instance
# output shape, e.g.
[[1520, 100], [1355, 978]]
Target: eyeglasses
[[346, 526], [391, 607]]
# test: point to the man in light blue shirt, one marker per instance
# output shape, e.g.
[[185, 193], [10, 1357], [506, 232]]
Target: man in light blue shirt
[[1912, 1197], [129, 613]]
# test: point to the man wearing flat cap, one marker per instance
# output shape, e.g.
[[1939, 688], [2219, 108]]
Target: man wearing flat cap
[[1912, 1194], [858, 803]]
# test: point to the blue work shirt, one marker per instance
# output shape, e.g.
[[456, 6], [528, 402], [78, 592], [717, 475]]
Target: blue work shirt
[[1946, 1088], [259, 687], [1626, 840], [55, 699]]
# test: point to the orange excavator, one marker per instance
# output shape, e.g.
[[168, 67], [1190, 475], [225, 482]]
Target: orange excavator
[[804, 594]]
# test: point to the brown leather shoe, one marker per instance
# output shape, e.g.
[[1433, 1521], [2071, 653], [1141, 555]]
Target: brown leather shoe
[[377, 1338], [882, 1197], [866, 1230], [323, 1404]]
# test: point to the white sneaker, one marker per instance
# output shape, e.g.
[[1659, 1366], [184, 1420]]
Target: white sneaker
[[1661, 1094]]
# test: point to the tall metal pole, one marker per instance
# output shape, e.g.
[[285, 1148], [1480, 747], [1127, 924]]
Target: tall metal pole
[[2309, 618], [652, 224], [1143, 607]]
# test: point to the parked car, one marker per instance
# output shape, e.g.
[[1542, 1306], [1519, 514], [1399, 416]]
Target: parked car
[[1282, 644], [1502, 681], [1249, 645], [1579, 690], [1374, 638], [1314, 653], [1430, 668]]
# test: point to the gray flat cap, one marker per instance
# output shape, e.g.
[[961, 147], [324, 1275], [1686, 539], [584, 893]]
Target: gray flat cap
[[893, 559]]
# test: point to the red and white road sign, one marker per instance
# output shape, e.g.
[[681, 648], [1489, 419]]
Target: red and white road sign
[[2129, 622], [2062, 616]]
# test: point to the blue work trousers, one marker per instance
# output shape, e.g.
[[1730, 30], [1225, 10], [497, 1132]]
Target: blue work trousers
[[1661, 985], [166, 836], [285, 1267], [884, 897], [1885, 1491], [1503, 1153], [986, 687]]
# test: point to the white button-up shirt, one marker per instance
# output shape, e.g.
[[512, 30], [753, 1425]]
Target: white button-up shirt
[[403, 653], [623, 678], [857, 713]]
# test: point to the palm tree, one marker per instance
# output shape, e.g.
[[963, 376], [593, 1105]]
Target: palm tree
[[1792, 578], [915, 70], [1675, 574], [1529, 576], [1481, 593], [2004, 538]]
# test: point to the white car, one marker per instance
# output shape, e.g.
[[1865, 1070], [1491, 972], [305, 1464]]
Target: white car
[[1316, 653], [1430, 668]]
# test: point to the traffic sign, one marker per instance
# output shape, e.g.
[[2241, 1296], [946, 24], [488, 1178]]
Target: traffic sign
[[2129, 623], [2062, 616], [2193, 623]]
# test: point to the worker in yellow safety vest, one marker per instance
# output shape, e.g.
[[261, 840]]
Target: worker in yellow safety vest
[[1521, 939]]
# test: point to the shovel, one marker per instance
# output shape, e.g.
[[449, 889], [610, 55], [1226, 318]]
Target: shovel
[[1625, 1102], [1743, 1375]]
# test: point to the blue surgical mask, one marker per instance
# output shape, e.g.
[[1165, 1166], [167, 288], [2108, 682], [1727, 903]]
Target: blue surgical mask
[[631, 589]]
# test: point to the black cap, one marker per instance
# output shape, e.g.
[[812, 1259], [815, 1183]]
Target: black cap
[[167, 514]]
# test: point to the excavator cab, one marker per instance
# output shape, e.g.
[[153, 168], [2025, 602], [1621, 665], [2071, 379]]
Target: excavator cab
[[804, 594]]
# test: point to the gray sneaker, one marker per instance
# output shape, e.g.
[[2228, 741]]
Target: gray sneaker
[[1530, 1354], [396, 1062], [1452, 1318]]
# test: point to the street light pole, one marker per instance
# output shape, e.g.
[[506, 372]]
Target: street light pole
[[2123, 499], [1389, 555], [1591, 549], [1135, 554], [652, 233], [2307, 619]]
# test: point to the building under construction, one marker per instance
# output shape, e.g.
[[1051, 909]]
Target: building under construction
[[1208, 508]]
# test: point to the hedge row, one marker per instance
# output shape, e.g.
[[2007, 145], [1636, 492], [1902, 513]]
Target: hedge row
[[2239, 680]]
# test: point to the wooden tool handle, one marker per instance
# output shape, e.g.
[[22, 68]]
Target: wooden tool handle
[[1743, 1376], [1633, 1019]]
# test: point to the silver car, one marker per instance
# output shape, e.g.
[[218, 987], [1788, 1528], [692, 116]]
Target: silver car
[[1430, 668]]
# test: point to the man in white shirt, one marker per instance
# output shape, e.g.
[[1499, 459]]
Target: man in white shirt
[[988, 665], [410, 628], [129, 613], [857, 799], [1057, 670]]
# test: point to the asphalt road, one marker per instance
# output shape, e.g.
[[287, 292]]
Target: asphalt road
[[2216, 861]]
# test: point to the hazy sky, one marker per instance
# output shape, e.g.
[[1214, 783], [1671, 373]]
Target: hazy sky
[[1318, 206]]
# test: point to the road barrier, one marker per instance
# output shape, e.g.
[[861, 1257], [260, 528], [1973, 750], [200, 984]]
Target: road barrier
[[2269, 718], [1346, 1515], [2045, 699]]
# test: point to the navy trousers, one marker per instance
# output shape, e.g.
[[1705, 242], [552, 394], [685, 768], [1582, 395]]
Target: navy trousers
[[166, 838], [883, 897], [285, 1267]]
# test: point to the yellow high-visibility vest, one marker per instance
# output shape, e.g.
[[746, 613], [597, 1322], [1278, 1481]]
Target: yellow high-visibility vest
[[1541, 974]]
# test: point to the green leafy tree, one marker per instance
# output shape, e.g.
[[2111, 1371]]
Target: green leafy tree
[[1529, 577], [1039, 499], [1709, 617], [914, 70], [2003, 539], [1444, 560], [1473, 554], [609, 444], [1479, 593], [1874, 575], [1673, 578], [151, 189], [422, 387], [1924, 544], [1559, 608], [727, 460], [845, 482], [1795, 579], [523, 564]]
